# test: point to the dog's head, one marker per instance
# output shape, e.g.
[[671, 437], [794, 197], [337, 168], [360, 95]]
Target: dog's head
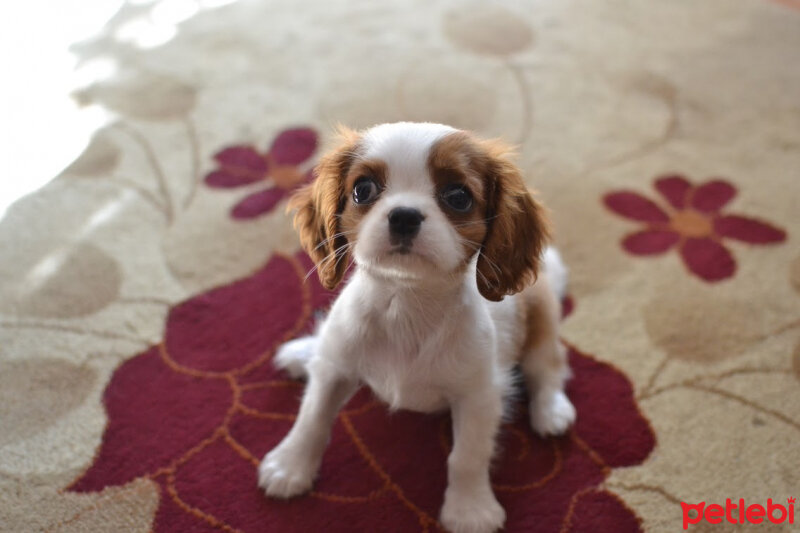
[[415, 200]]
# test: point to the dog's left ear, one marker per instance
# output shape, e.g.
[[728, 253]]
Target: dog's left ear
[[517, 228]]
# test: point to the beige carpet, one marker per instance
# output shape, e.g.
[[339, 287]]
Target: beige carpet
[[664, 136]]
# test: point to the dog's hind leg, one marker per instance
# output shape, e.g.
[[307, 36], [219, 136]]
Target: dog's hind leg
[[544, 362]]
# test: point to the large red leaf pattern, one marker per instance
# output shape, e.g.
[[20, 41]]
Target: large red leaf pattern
[[139, 422], [197, 412], [234, 326], [592, 513]]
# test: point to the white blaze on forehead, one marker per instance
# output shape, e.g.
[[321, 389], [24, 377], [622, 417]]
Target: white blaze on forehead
[[404, 147]]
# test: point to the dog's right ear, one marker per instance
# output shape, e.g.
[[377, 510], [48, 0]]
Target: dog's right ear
[[317, 208], [517, 228]]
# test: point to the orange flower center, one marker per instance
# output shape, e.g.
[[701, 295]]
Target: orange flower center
[[692, 224], [285, 176]]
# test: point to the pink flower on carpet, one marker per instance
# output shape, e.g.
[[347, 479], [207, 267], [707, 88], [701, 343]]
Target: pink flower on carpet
[[692, 222], [279, 168]]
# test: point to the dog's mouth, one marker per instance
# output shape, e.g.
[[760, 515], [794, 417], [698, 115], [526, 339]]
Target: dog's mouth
[[404, 255], [400, 249], [402, 261]]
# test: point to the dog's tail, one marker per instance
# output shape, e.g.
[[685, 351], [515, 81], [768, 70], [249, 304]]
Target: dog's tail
[[556, 271]]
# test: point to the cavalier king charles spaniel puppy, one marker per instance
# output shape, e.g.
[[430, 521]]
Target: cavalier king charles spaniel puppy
[[453, 287]]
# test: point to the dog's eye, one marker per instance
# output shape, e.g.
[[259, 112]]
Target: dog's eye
[[365, 190], [457, 197]]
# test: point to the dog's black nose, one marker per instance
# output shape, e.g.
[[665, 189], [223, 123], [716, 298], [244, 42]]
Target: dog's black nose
[[404, 222]]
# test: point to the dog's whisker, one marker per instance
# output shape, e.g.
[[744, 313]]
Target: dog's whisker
[[477, 247], [474, 222], [334, 236], [491, 263], [327, 258]]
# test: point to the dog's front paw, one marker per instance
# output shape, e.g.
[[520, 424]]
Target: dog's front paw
[[471, 513], [551, 413], [284, 473], [293, 356]]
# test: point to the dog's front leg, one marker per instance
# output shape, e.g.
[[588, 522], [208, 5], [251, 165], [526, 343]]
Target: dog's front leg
[[469, 503], [289, 469]]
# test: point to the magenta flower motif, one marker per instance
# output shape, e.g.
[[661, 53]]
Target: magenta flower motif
[[692, 222], [279, 168]]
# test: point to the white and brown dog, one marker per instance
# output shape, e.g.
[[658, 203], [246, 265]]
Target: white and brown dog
[[441, 228]]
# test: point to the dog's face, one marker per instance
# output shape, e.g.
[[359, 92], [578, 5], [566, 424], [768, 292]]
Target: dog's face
[[418, 201]]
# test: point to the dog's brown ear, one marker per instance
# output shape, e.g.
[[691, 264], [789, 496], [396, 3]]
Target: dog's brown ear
[[317, 208], [517, 228]]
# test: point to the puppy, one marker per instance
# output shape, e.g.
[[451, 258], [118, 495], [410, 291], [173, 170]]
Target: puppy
[[443, 302]]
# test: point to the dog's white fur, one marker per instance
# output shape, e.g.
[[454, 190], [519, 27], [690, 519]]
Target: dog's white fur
[[422, 338]]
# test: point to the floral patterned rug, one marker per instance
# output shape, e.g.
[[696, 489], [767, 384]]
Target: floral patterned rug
[[145, 289]]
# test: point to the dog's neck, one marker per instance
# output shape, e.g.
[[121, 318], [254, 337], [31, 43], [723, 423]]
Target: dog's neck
[[417, 295]]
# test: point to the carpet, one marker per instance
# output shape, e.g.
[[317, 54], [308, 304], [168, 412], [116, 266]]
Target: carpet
[[144, 290]]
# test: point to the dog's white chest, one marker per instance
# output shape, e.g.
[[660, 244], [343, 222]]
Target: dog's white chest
[[403, 386], [410, 352], [399, 367]]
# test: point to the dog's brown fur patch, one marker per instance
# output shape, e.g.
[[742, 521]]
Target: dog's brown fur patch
[[456, 159], [353, 213], [510, 225], [318, 207]]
